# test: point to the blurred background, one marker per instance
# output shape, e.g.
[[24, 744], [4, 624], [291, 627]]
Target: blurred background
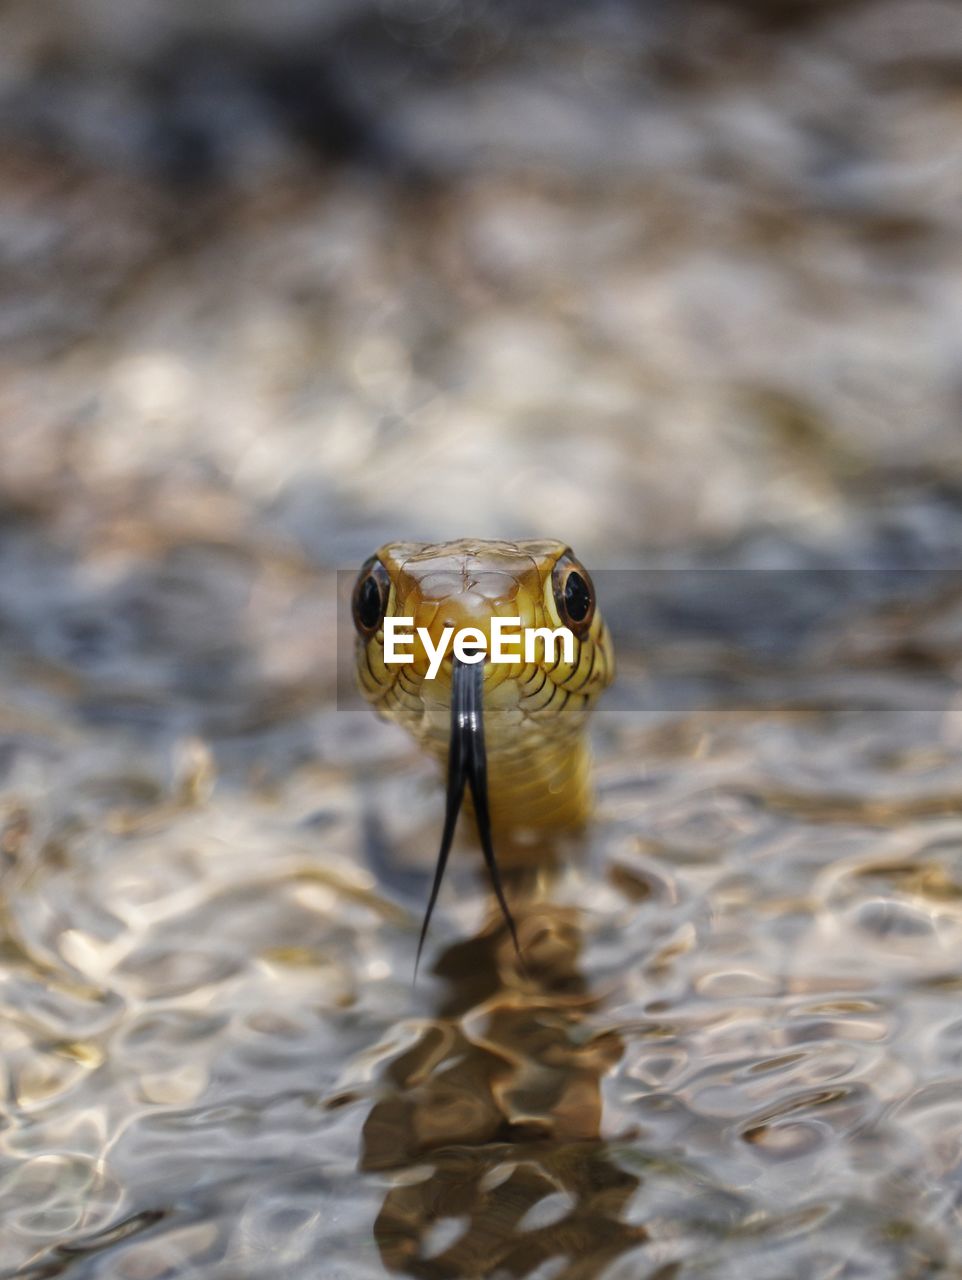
[[680, 283]]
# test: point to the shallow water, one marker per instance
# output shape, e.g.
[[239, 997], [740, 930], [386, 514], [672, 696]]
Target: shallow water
[[677, 283], [736, 1050]]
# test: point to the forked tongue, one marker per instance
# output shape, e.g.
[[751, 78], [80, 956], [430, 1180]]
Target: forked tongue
[[467, 763]]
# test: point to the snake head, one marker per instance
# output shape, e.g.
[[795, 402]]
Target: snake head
[[469, 583]]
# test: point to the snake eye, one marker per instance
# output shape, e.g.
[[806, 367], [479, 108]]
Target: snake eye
[[369, 600], [574, 594]]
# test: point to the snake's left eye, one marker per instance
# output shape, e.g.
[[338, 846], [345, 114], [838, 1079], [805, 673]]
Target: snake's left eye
[[574, 594], [370, 597]]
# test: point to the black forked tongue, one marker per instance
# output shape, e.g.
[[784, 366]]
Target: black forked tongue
[[467, 763]]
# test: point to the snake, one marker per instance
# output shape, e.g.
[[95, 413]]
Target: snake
[[512, 734]]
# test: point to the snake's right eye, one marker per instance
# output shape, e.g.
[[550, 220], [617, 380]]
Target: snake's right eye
[[574, 594], [370, 597]]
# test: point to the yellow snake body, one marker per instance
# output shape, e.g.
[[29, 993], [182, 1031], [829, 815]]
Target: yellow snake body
[[529, 765]]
